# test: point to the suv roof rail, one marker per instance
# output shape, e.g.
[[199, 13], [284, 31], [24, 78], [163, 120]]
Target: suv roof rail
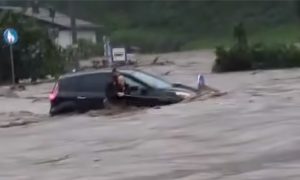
[[79, 73]]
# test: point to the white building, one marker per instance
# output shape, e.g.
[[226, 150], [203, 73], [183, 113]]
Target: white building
[[60, 25]]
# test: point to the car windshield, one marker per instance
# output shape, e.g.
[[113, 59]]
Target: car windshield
[[152, 81]]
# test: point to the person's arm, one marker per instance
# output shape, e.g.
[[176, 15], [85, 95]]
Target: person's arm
[[127, 89], [110, 91]]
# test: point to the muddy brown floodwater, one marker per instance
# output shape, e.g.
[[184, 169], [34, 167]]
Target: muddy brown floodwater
[[252, 133]]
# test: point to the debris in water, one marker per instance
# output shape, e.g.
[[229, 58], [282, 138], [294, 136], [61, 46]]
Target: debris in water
[[166, 73], [165, 62], [207, 93], [56, 160], [18, 88], [17, 123], [115, 111], [155, 60], [8, 93], [21, 118]]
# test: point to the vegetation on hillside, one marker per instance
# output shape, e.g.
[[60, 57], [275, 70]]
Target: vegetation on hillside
[[160, 26]]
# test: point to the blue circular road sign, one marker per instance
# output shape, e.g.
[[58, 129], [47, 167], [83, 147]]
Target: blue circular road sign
[[10, 36]]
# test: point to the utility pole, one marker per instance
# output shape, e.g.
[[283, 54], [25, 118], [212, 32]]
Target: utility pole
[[52, 13], [74, 31]]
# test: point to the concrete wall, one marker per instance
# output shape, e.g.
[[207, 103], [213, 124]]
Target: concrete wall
[[64, 38]]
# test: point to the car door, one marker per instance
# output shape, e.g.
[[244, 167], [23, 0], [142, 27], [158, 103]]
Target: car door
[[92, 90], [140, 94]]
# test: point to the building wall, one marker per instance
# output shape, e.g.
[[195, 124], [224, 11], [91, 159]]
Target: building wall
[[87, 35], [64, 38]]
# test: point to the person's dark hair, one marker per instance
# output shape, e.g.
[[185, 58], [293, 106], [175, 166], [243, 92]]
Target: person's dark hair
[[115, 71], [115, 75]]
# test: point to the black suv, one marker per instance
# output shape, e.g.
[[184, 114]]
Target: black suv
[[83, 91]]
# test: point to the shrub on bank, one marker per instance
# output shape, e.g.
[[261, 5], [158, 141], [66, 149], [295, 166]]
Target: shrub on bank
[[258, 56], [243, 56]]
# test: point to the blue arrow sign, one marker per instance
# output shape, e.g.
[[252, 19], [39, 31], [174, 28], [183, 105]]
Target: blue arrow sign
[[10, 36]]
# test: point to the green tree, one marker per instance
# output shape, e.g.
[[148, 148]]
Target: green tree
[[297, 4], [240, 35], [35, 55]]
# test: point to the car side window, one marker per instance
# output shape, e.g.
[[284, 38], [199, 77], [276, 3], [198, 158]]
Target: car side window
[[94, 82], [131, 82], [68, 84]]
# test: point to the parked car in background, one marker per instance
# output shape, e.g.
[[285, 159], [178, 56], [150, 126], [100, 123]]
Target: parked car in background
[[83, 91]]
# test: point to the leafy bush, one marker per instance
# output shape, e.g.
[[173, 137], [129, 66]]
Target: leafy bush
[[258, 56]]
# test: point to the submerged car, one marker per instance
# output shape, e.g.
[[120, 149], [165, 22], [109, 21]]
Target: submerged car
[[83, 91]]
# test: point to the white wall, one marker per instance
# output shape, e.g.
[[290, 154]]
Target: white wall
[[87, 35], [64, 38]]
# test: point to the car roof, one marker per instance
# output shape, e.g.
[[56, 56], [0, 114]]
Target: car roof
[[82, 73]]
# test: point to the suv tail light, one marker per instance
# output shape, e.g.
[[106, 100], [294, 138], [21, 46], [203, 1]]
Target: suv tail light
[[54, 92]]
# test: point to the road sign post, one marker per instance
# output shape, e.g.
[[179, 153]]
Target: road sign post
[[12, 64], [10, 37]]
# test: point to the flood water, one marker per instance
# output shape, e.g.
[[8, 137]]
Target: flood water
[[250, 133]]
